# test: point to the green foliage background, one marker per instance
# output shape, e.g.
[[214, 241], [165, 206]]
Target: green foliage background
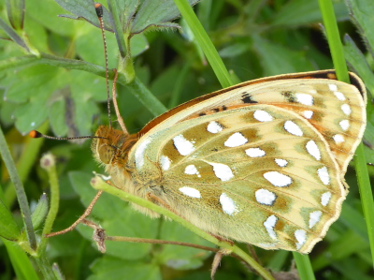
[[51, 79]]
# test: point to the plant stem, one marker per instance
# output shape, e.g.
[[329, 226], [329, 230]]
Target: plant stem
[[21, 195]]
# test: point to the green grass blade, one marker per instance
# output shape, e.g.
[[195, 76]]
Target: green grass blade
[[337, 53], [20, 262], [204, 42], [333, 38], [366, 194], [21, 195], [304, 266]]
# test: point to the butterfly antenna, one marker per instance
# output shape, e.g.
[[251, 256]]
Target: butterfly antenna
[[100, 12], [37, 134]]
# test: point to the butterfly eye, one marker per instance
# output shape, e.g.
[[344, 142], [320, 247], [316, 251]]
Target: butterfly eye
[[106, 153]]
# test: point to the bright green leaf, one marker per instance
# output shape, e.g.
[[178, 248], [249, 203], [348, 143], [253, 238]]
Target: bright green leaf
[[8, 226]]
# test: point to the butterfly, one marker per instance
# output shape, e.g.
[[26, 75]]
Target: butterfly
[[261, 162]]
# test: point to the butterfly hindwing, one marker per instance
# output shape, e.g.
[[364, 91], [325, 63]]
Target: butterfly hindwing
[[257, 174]]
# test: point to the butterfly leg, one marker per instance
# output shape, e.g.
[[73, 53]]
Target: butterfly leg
[[217, 261], [157, 200], [81, 219]]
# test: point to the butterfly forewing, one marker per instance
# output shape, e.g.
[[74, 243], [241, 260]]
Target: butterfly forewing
[[334, 108], [258, 174]]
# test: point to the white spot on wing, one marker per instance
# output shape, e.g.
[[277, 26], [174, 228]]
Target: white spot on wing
[[236, 140], [32, 124], [228, 204], [346, 109], [165, 162], [308, 114], [191, 192], [305, 99], [313, 149], [222, 171], [339, 95], [255, 152], [192, 170], [325, 198], [140, 151], [338, 138], [281, 162], [344, 124], [323, 174], [214, 127], [270, 224], [293, 128], [265, 197], [278, 179], [314, 218], [333, 87], [263, 116], [183, 146], [300, 236]]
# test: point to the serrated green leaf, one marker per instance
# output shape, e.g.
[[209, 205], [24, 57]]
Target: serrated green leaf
[[90, 44], [85, 10], [6, 110], [47, 15], [49, 87], [84, 115], [358, 62], [114, 268], [86, 86], [361, 11], [126, 11], [32, 83], [30, 116], [56, 114], [8, 226], [40, 212], [155, 13]]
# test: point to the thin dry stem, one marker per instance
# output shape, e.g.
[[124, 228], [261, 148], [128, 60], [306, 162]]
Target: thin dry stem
[[82, 219], [115, 104]]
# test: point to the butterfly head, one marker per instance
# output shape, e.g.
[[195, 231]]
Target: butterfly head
[[111, 145]]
